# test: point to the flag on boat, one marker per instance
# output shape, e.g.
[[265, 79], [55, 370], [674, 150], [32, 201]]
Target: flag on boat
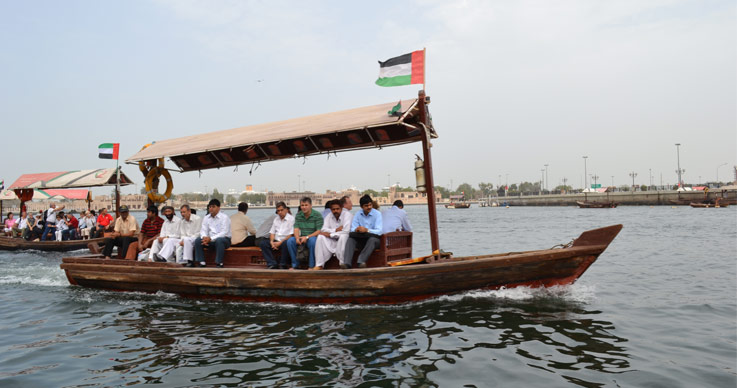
[[403, 70], [109, 150], [2, 184]]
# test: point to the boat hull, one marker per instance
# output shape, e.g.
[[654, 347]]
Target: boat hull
[[17, 244], [383, 285], [596, 205]]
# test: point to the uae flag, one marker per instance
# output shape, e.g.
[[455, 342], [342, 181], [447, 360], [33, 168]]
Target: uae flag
[[109, 150], [403, 70]]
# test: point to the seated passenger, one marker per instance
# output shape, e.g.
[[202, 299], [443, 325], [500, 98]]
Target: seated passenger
[[50, 225], [150, 228], [215, 233], [307, 225], [169, 230], [326, 211], [62, 227], [366, 230], [345, 202], [37, 228], [189, 229], [333, 235], [281, 230], [242, 229], [21, 225], [73, 223], [395, 219], [124, 233], [104, 223], [262, 233]]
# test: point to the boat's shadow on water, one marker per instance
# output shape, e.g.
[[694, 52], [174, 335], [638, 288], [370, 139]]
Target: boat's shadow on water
[[477, 339]]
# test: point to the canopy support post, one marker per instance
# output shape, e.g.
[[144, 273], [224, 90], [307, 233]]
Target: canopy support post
[[429, 183]]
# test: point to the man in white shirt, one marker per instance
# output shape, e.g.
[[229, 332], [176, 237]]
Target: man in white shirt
[[189, 229], [281, 230], [333, 235], [169, 230], [215, 233], [50, 225]]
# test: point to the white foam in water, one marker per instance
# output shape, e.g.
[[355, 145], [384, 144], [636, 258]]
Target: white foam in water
[[34, 274]]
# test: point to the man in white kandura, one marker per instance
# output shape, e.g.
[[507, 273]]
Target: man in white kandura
[[189, 230], [169, 231], [333, 235]]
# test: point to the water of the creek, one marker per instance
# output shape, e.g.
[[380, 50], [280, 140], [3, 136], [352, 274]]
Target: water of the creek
[[658, 309]]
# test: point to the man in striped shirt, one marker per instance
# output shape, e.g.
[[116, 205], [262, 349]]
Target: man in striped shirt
[[150, 228]]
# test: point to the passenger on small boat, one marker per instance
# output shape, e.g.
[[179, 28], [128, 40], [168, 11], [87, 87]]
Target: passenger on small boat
[[10, 223], [73, 224], [189, 230], [215, 234], [87, 224], [124, 233], [37, 227], [50, 225], [61, 227], [104, 224], [169, 230], [307, 225], [242, 229], [281, 230], [333, 235], [395, 219], [366, 230]]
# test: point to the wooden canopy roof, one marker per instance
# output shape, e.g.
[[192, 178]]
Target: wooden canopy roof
[[367, 127]]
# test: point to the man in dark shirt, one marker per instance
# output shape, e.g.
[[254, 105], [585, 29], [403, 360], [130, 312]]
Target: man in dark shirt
[[150, 229]]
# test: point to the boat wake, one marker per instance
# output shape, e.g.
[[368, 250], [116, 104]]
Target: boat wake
[[37, 274]]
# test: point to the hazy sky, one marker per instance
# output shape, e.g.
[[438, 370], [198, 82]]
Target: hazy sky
[[514, 85]]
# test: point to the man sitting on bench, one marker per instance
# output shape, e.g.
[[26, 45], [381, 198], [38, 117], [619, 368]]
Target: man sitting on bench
[[281, 230], [124, 233], [215, 233], [333, 236], [366, 230]]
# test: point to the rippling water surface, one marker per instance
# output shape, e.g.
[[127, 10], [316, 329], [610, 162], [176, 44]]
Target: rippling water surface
[[658, 309]]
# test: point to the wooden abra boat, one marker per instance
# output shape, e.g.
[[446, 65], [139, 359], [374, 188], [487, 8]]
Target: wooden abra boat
[[708, 204], [385, 285], [391, 276], [596, 205], [17, 243], [457, 202]]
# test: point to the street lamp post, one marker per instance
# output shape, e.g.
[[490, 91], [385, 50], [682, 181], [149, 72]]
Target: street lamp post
[[633, 175], [594, 177], [723, 164], [547, 181], [565, 180], [542, 180], [679, 171], [651, 176], [584, 171]]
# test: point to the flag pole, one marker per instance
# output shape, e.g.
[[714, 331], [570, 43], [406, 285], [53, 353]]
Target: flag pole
[[117, 189], [424, 66]]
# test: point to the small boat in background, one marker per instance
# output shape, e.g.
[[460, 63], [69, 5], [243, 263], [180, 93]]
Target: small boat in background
[[17, 244], [457, 202], [596, 204]]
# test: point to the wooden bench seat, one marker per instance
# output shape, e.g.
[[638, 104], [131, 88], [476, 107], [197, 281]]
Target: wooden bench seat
[[393, 246]]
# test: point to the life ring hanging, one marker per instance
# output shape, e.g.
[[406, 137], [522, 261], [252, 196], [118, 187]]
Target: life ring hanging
[[153, 175]]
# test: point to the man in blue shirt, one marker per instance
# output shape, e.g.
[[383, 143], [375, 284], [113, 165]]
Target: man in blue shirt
[[395, 219], [366, 230]]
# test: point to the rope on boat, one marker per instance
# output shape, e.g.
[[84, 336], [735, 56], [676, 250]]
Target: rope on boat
[[563, 246]]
